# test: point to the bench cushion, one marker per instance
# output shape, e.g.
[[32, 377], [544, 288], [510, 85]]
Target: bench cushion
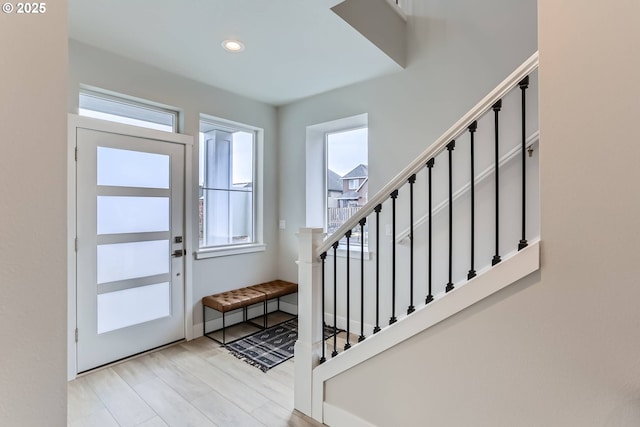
[[231, 300], [276, 288]]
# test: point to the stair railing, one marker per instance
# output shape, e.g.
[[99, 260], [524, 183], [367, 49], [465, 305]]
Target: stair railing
[[313, 251]]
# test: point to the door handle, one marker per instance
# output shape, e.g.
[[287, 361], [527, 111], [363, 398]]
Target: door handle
[[178, 253]]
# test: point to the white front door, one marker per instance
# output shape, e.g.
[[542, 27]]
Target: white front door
[[130, 209]]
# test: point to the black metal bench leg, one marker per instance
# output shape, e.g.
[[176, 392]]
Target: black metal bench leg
[[224, 331], [265, 314], [204, 321]]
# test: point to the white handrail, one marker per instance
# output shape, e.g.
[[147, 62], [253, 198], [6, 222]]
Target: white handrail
[[440, 144]]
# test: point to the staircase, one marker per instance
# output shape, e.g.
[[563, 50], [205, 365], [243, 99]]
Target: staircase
[[458, 224]]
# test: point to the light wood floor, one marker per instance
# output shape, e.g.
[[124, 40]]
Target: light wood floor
[[194, 383]]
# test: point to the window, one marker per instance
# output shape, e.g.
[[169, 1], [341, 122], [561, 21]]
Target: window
[[347, 177], [115, 109], [227, 202], [325, 169]]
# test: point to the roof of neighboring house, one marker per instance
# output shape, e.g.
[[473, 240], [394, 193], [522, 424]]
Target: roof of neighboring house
[[334, 182], [349, 195], [360, 171]]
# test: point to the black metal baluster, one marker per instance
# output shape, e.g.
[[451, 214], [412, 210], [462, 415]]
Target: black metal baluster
[[429, 298], [524, 84], [496, 108], [472, 272], [323, 257], [347, 345], [363, 221], [394, 196], [450, 148], [411, 308], [335, 300], [377, 210]]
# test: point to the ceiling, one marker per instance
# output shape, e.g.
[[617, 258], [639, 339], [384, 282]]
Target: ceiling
[[294, 48]]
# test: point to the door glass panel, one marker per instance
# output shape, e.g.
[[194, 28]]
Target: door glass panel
[[132, 306], [122, 261], [126, 168], [132, 214]]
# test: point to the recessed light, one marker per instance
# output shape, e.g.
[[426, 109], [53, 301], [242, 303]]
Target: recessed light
[[233, 45]]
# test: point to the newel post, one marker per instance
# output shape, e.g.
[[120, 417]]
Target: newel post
[[310, 317]]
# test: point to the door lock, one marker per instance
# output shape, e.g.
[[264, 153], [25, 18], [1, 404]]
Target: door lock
[[179, 252]]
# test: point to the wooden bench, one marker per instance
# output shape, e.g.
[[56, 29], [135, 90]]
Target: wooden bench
[[242, 298]]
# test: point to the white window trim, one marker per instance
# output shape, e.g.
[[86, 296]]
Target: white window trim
[[219, 251], [136, 102], [353, 253], [258, 244]]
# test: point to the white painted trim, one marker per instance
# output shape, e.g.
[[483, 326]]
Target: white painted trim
[[258, 244], [229, 250], [439, 145], [353, 253], [316, 172], [288, 307], [490, 280], [403, 237], [354, 326], [106, 126], [72, 355], [74, 122], [188, 242], [338, 417], [132, 100], [309, 343]]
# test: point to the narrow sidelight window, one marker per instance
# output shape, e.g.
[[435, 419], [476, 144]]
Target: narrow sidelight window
[[227, 185]]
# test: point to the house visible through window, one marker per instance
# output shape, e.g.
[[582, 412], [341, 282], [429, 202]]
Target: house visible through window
[[227, 196], [347, 177], [107, 107]]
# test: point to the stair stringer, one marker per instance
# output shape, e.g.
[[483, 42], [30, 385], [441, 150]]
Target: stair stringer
[[513, 267]]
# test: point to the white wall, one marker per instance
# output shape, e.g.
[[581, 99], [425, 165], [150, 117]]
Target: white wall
[[561, 347], [457, 52], [98, 68], [33, 129]]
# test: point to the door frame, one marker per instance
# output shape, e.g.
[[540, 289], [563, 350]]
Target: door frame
[[74, 122]]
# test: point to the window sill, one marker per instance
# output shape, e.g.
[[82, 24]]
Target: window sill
[[230, 250], [354, 253]]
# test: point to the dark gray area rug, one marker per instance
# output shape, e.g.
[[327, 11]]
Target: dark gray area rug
[[269, 347]]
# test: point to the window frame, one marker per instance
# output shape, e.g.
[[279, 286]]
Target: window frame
[[329, 131], [257, 243], [132, 102]]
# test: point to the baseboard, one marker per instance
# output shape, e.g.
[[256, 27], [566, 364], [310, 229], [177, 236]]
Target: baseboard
[[354, 325], [338, 417], [288, 307]]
